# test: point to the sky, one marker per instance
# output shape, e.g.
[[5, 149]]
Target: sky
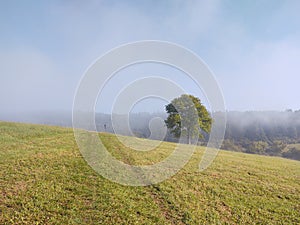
[[252, 47]]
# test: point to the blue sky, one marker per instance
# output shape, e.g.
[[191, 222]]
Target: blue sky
[[253, 48]]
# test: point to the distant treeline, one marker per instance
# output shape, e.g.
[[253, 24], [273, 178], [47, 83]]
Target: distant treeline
[[257, 132], [267, 133]]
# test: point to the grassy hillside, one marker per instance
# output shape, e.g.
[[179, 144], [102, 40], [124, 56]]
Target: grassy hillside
[[45, 180]]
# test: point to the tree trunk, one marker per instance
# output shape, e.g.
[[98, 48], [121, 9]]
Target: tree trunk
[[188, 137]]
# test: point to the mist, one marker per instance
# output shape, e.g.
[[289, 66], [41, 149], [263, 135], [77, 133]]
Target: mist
[[46, 47]]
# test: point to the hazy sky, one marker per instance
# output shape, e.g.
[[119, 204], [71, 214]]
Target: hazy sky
[[253, 47]]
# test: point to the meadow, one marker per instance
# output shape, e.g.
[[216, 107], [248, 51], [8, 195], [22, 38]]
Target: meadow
[[45, 180]]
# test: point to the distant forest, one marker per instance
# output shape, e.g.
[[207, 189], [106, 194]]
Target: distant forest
[[267, 132], [257, 132]]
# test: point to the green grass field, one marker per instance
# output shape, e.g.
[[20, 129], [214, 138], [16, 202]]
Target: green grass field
[[45, 180]]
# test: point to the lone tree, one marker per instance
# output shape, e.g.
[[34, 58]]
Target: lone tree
[[187, 116]]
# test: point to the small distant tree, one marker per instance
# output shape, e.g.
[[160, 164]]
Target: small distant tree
[[276, 148], [257, 147], [292, 153], [188, 115]]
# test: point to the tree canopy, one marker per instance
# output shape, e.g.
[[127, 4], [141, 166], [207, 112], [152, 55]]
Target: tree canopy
[[188, 117]]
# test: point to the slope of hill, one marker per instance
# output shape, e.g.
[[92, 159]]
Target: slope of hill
[[45, 180]]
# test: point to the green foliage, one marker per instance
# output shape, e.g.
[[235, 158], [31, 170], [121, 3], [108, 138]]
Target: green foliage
[[230, 145], [187, 116], [292, 153], [45, 180], [276, 148], [257, 147], [273, 148]]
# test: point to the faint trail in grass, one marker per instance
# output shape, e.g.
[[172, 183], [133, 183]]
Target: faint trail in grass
[[169, 210]]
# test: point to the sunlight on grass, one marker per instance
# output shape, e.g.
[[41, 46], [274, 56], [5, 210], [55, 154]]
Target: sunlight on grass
[[45, 180]]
